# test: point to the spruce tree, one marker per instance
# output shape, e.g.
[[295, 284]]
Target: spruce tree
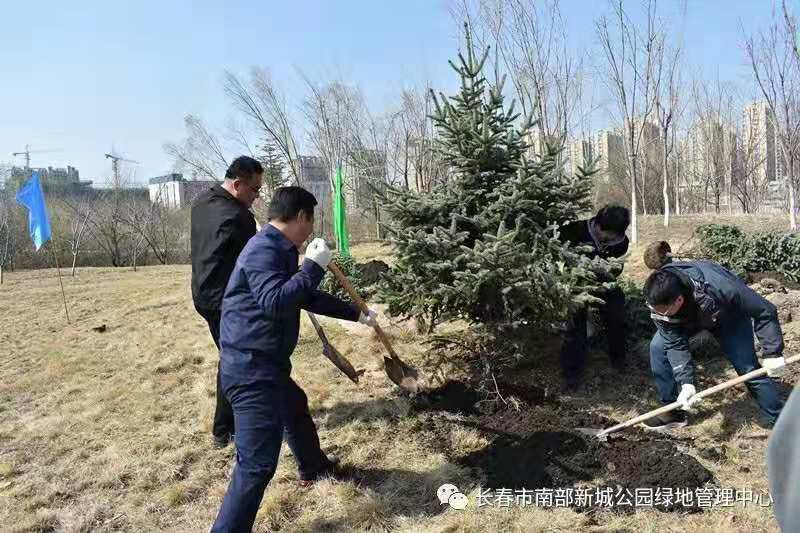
[[270, 159], [484, 247]]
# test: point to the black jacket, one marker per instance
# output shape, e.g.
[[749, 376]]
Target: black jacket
[[726, 297], [221, 226], [578, 234]]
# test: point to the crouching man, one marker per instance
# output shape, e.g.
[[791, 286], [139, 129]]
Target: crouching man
[[605, 234], [686, 297], [259, 331]]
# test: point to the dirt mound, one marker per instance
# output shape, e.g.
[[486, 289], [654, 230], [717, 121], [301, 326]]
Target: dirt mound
[[653, 464], [562, 459], [756, 277], [371, 271], [458, 397], [535, 445]]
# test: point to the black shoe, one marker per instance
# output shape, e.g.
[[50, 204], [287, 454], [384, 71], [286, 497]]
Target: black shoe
[[223, 441], [330, 470], [672, 420]]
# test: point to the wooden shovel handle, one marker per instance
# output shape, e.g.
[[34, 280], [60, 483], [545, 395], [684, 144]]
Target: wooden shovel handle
[[333, 267], [702, 394]]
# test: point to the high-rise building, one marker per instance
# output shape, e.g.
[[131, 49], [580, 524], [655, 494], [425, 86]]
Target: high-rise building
[[608, 150], [709, 148], [53, 179], [760, 138], [315, 177], [576, 154]]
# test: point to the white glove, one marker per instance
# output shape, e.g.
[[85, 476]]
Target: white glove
[[369, 319], [319, 252], [774, 365], [685, 397]]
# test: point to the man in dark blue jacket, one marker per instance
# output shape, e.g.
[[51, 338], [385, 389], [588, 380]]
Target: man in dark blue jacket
[[260, 328], [686, 297], [604, 236]]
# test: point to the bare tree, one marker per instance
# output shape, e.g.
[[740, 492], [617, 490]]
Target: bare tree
[[348, 136], [108, 227], [80, 211], [531, 48], [774, 63], [201, 152], [630, 61], [413, 161], [667, 91], [265, 107], [750, 185], [713, 141], [6, 232]]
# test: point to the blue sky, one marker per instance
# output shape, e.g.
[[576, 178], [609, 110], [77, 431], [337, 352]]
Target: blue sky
[[79, 76]]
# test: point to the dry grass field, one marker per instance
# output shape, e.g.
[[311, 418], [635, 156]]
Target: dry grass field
[[109, 431]]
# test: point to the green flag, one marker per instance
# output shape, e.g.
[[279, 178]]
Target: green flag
[[339, 223]]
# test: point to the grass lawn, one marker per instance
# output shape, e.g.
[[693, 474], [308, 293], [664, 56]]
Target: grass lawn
[[110, 431]]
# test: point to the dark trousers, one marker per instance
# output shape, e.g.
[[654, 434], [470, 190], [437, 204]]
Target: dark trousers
[[265, 411], [735, 337], [223, 426], [576, 342]]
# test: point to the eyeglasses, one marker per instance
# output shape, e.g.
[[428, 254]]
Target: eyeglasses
[[256, 190]]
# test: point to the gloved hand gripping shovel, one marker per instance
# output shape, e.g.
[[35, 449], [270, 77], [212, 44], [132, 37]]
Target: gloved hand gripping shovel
[[603, 433]]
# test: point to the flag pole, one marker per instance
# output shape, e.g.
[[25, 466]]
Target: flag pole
[[63, 296]]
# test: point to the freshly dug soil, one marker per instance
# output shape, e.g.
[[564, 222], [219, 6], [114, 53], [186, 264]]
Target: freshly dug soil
[[453, 397], [537, 446], [655, 464], [755, 277], [371, 271], [458, 397]]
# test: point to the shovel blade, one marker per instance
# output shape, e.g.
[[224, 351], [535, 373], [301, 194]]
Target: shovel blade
[[341, 363], [598, 433], [402, 375]]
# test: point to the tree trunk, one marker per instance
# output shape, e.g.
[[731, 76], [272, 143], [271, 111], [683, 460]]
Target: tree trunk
[[74, 262], [644, 185], [677, 181], [377, 219], [1, 274], [792, 202], [666, 184], [634, 207]]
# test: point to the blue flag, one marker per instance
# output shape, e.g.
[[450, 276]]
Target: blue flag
[[31, 196]]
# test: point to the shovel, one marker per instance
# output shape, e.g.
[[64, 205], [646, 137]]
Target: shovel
[[603, 433], [333, 354], [404, 376]]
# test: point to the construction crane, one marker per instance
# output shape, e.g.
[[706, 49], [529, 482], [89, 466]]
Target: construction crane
[[115, 159], [27, 153]]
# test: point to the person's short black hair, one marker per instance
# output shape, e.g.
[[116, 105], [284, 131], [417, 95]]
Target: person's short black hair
[[245, 168], [287, 202], [663, 287], [613, 218]]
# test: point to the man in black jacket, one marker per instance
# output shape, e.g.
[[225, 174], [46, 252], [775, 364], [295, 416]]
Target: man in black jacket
[[605, 235], [222, 223], [687, 297]]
